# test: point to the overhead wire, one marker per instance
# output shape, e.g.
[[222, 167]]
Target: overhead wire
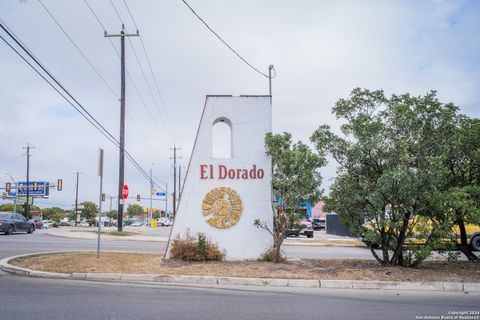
[[150, 90], [151, 71], [78, 107], [167, 129], [111, 42], [78, 49], [142, 99], [223, 41]]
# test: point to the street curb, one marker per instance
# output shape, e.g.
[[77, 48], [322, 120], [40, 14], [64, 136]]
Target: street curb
[[220, 280]]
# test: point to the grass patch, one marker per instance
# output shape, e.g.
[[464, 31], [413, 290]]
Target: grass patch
[[328, 269]]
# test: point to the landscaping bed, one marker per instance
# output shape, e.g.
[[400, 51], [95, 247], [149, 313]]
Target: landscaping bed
[[324, 269]]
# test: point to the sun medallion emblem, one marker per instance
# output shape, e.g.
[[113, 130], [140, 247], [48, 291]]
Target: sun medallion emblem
[[223, 207]]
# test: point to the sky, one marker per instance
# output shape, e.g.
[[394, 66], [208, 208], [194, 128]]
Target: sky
[[321, 50]]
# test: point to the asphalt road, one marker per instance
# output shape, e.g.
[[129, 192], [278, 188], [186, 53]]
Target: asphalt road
[[30, 298], [20, 243]]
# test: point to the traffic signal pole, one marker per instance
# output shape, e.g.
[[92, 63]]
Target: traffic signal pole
[[150, 213], [121, 174]]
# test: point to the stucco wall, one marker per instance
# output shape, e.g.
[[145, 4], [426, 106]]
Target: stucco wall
[[250, 118]]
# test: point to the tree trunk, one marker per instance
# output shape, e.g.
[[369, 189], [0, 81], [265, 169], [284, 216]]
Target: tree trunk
[[401, 238], [385, 253], [463, 247]]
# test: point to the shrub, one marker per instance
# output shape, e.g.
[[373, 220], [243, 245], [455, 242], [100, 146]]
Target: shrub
[[267, 256], [190, 248]]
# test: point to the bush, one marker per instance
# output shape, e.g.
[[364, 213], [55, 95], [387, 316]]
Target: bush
[[190, 248], [267, 256]]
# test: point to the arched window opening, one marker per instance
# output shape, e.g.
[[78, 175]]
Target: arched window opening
[[222, 138]]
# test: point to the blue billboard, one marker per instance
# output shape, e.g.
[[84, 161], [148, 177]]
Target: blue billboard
[[35, 188]]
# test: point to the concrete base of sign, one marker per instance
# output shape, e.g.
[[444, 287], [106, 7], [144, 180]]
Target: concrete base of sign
[[222, 197]]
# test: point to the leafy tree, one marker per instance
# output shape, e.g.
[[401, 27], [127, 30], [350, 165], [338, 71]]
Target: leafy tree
[[295, 178], [390, 160], [54, 213], [90, 210], [112, 214], [461, 192], [134, 209]]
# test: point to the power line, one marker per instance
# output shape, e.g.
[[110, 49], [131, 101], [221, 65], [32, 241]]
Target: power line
[[116, 11], [13, 139], [95, 15], [78, 48], [89, 118], [141, 69], [142, 99], [151, 71], [223, 41], [150, 90]]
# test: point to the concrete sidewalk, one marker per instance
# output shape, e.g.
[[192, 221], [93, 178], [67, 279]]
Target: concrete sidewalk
[[215, 280]]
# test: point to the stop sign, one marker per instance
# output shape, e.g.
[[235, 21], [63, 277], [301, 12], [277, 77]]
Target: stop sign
[[125, 191]]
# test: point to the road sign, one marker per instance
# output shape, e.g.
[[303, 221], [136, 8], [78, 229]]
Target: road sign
[[160, 193], [35, 188], [125, 191]]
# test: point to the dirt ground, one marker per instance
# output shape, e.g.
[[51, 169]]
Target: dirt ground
[[139, 263]]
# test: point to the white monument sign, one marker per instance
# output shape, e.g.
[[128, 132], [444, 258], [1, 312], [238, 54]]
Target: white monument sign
[[221, 197]]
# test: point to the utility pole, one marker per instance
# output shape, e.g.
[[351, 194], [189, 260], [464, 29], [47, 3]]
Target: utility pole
[[121, 174], [270, 68], [174, 180], [179, 182], [27, 205], [100, 174], [151, 193], [166, 200], [76, 200]]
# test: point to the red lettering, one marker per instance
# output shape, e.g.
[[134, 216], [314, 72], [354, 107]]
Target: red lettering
[[207, 172], [203, 171], [211, 172], [222, 172], [244, 174], [253, 172], [260, 174]]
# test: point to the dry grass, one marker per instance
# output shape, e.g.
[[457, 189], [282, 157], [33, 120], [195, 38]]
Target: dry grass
[[140, 263]]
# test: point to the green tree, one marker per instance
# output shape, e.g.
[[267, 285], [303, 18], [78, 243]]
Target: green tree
[[54, 213], [112, 214], [390, 161], [89, 211], [295, 178], [134, 209], [461, 191]]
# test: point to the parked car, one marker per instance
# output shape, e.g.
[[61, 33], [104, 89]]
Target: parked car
[[37, 222], [65, 223], [83, 224], [303, 228], [164, 222], [318, 224], [47, 224], [14, 222]]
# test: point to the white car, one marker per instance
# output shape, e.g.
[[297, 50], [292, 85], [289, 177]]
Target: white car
[[164, 222]]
